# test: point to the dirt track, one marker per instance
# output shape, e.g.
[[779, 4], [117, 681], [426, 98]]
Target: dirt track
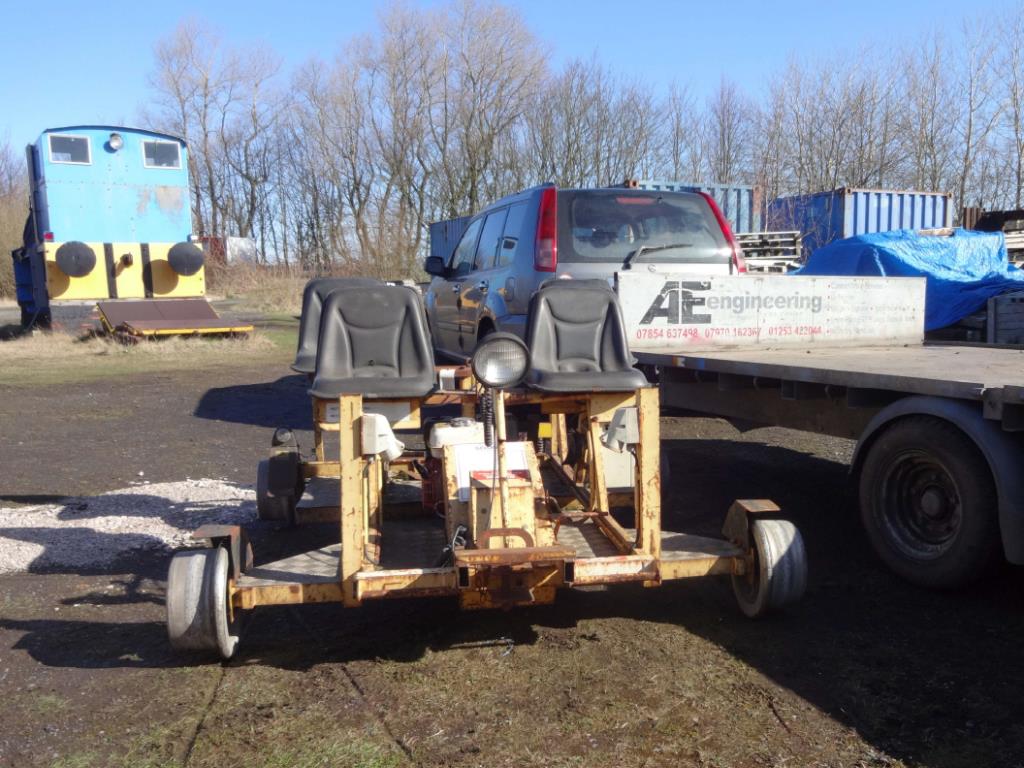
[[866, 671]]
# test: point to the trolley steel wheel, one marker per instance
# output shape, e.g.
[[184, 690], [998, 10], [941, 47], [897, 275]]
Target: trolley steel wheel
[[779, 573], [199, 617], [271, 507]]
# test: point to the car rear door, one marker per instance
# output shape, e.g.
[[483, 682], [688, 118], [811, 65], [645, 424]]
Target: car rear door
[[448, 300], [482, 279]]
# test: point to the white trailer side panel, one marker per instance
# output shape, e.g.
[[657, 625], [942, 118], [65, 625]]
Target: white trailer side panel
[[692, 313]]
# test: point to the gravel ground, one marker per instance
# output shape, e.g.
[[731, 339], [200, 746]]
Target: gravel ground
[[95, 531]]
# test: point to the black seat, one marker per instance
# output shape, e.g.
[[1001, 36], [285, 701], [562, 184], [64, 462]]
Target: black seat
[[577, 339], [313, 297], [373, 342]]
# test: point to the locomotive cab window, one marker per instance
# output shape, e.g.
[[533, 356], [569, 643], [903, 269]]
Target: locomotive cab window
[[161, 154], [69, 149]]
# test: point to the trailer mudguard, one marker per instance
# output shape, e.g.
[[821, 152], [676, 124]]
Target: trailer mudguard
[[1003, 451]]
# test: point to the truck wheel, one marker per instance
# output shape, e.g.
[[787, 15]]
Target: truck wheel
[[198, 615], [779, 574], [928, 503]]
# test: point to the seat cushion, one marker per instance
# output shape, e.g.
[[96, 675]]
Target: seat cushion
[[586, 381], [313, 297], [577, 339], [373, 342]]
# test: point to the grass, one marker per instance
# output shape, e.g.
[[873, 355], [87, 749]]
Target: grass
[[353, 754], [76, 760], [57, 358], [350, 754], [49, 703], [258, 289]]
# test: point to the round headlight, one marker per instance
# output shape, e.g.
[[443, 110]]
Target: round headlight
[[115, 141], [500, 360]]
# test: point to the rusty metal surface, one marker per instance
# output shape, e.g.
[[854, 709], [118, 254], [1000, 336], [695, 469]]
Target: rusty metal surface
[[505, 586], [154, 315], [512, 556], [406, 582], [491, 533], [615, 569]]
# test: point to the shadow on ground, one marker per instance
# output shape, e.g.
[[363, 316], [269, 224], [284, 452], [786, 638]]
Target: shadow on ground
[[926, 677], [280, 403]]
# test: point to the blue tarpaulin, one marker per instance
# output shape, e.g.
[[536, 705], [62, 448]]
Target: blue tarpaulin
[[963, 271]]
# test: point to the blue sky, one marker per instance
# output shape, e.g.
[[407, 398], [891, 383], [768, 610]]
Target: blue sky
[[67, 63]]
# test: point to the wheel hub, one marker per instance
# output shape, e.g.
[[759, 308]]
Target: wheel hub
[[933, 504], [922, 505]]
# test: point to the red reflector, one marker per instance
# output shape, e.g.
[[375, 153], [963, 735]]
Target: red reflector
[[545, 258], [636, 200], [48, 237]]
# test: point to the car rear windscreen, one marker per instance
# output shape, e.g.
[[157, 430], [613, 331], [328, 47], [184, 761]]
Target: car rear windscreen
[[661, 227]]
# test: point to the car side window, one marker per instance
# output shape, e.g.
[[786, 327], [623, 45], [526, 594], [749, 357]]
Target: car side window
[[462, 258], [510, 236], [490, 238]]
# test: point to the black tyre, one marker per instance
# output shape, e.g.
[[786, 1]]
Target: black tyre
[[928, 503]]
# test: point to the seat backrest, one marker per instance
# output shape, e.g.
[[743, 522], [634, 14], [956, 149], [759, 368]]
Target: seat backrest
[[577, 338], [313, 297], [373, 342]]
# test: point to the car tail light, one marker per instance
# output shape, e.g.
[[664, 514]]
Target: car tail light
[[48, 237], [545, 255], [738, 262]]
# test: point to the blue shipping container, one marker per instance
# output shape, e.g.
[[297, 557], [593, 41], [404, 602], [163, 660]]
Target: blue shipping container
[[827, 216], [740, 203], [444, 235]]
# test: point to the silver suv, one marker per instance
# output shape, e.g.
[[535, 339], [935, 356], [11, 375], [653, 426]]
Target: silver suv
[[512, 246]]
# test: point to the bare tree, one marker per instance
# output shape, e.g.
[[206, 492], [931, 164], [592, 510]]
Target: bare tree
[[13, 209], [216, 99], [444, 109], [980, 108], [728, 125], [1011, 73], [684, 140]]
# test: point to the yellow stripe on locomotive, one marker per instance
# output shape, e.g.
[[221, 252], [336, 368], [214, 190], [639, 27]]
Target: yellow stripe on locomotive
[[98, 271]]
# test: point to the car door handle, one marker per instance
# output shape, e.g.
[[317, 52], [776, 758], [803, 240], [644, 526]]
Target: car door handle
[[482, 286]]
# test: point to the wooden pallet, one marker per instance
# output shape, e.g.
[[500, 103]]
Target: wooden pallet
[[1006, 319]]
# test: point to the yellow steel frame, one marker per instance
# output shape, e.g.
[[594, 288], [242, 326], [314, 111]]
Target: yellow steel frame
[[504, 575]]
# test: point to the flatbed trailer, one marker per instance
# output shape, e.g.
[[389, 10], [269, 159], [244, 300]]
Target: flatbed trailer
[[939, 462]]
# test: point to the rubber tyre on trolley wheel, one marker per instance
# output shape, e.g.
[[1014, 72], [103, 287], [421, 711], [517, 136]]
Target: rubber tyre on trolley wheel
[[779, 574], [928, 503], [198, 615], [271, 507]]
